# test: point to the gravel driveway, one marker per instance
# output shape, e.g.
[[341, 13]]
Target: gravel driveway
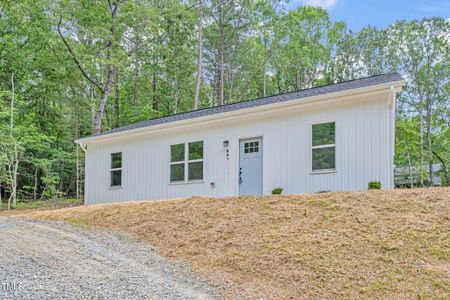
[[55, 260]]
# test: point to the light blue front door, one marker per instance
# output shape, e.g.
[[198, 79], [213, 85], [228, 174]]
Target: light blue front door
[[250, 166]]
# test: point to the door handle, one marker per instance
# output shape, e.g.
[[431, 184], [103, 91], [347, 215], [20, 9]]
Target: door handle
[[240, 175]]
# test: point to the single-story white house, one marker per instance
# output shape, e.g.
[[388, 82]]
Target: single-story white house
[[331, 138]]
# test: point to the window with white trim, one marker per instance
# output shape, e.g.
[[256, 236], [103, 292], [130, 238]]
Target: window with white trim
[[116, 169], [186, 162], [251, 147], [324, 147]]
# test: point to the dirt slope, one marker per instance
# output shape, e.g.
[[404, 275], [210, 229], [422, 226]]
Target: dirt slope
[[374, 244]]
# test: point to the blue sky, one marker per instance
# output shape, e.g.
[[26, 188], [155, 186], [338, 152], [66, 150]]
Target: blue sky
[[380, 13]]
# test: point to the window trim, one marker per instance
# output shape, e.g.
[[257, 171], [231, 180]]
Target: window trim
[[111, 170], [334, 145], [177, 163], [255, 145], [186, 162]]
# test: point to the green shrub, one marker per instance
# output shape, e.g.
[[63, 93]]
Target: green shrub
[[277, 191], [374, 185]]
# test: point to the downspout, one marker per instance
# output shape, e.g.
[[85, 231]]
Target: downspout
[[79, 189], [392, 107]]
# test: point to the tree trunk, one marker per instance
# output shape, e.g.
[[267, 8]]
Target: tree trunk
[[430, 149], [11, 124], [98, 116], [200, 54], [77, 153], [177, 103], [222, 49], [222, 75], [410, 170], [14, 181], [444, 169], [421, 140], [136, 81], [264, 68], [77, 172], [15, 163], [155, 104], [92, 95], [10, 177], [116, 101], [35, 183]]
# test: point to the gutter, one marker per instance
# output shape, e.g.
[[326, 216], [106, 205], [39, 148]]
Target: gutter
[[79, 143]]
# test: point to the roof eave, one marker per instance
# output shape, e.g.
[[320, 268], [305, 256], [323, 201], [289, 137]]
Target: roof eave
[[396, 84]]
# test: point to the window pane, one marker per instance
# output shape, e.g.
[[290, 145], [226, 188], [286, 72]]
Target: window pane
[[177, 172], [196, 150], [323, 134], [251, 147], [116, 160], [196, 170], [177, 152], [116, 178], [323, 158]]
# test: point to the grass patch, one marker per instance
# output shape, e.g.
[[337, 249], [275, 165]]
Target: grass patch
[[320, 203], [79, 221], [373, 244], [29, 204]]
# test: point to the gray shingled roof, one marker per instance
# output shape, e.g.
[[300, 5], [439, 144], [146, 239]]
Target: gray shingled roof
[[327, 89]]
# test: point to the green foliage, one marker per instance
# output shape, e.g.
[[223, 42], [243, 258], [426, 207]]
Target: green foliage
[[47, 204], [277, 191], [374, 185], [302, 47]]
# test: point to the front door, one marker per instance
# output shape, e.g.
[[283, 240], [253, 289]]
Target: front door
[[250, 166]]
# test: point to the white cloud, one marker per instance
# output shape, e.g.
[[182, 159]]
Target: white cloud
[[322, 3]]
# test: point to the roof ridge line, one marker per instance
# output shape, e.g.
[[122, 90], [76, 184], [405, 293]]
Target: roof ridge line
[[146, 123]]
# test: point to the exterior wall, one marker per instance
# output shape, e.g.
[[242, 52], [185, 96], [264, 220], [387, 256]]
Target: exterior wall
[[364, 152]]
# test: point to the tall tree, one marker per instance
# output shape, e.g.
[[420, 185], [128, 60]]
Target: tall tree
[[109, 50], [302, 53], [229, 23], [198, 76], [421, 49]]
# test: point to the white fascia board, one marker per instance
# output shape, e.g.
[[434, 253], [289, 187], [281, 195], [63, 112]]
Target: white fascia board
[[245, 111]]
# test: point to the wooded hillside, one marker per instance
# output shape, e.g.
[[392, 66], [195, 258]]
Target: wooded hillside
[[72, 68]]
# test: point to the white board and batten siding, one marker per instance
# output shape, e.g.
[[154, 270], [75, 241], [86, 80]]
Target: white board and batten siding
[[364, 138]]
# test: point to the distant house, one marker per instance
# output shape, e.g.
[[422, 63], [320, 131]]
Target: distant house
[[409, 177], [330, 138]]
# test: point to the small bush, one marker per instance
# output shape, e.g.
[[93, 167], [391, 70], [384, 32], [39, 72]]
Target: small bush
[[374, 185], [277, 191], [323, 191]]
